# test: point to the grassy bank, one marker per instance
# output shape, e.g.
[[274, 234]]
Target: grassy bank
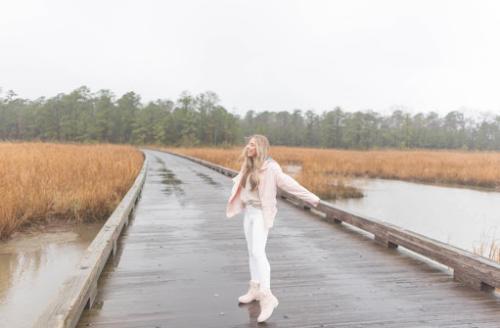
[[43, 182]]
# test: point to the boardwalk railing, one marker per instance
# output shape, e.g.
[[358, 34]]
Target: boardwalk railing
[[471, 269], [79, 290]]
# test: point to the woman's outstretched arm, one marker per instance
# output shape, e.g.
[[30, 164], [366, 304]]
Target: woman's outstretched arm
[[290, 185]]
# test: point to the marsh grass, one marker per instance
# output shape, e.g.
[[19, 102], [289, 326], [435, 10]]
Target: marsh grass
[[44, 182], [490, 250]]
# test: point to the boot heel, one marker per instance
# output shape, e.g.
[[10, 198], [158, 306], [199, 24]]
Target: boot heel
[[251, 295]]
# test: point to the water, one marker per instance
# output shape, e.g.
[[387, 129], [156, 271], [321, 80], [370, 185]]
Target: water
[[34, 265], [461, 217]]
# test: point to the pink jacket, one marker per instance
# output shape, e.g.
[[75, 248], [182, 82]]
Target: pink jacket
[[271, 177]]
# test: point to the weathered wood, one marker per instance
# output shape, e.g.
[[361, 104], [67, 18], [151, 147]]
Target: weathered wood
[[80, 289], [469, 279], [182, 263], [385, 242], [92, 295], [476, 267]]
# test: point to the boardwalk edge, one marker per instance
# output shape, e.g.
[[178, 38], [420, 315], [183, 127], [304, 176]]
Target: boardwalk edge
[[79, 290]]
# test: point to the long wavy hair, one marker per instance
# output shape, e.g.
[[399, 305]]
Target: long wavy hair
[[251, 165]]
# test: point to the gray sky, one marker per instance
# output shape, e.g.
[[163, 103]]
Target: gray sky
[[275, 55]]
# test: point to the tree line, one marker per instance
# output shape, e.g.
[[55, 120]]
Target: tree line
[[200, 120]]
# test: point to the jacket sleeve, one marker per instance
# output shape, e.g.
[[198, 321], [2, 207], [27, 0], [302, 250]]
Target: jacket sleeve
[[290, 185]]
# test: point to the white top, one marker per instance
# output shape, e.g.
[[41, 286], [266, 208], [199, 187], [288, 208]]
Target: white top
[[250, 197]]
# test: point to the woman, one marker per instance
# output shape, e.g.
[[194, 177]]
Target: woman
[[254, 190]]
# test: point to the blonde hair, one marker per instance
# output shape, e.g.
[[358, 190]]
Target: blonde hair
[[251, 165]]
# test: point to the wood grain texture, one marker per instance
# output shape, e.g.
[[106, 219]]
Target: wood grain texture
[[182, 263]]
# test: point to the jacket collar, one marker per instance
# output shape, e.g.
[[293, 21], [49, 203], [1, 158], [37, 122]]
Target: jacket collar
[[266, 163]]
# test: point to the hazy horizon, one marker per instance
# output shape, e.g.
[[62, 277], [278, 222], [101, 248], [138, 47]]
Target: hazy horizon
[[275, 55]]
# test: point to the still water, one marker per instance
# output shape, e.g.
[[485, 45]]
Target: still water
[[34, 265], [458, 216]]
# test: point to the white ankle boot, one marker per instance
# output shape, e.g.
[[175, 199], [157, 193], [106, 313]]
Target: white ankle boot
[[268, 302], [252, 294]]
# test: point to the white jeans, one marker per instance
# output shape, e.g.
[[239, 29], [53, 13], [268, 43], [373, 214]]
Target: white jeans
[[256, 237]]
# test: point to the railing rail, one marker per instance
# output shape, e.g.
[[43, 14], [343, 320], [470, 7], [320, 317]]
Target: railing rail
[[476, 271], [79, 290]]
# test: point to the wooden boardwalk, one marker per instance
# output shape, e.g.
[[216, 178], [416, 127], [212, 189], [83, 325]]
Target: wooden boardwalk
[[182, 263]]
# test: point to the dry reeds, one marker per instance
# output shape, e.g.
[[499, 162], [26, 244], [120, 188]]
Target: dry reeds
[[489, 250], [478, 169], [40, 182]]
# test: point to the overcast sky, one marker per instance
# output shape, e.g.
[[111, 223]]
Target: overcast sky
[[263, 55]]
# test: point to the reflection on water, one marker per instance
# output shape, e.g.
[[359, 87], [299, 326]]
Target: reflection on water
[[458, 216], [34, 265]]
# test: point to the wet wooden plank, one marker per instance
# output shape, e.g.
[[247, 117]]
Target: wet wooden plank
[[182, 263]]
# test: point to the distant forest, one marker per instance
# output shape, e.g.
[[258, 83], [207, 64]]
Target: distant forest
[[200, 120]]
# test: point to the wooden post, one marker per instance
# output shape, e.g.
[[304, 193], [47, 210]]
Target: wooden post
[[115, 247], [92, 295], [385, 242], [471, 281]]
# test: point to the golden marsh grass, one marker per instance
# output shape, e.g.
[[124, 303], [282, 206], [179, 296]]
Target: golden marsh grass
[[489, 249], [41, 182]]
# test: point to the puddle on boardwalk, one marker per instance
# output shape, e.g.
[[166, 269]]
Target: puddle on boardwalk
[[207, 178], [169, 179], [34, 265]]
